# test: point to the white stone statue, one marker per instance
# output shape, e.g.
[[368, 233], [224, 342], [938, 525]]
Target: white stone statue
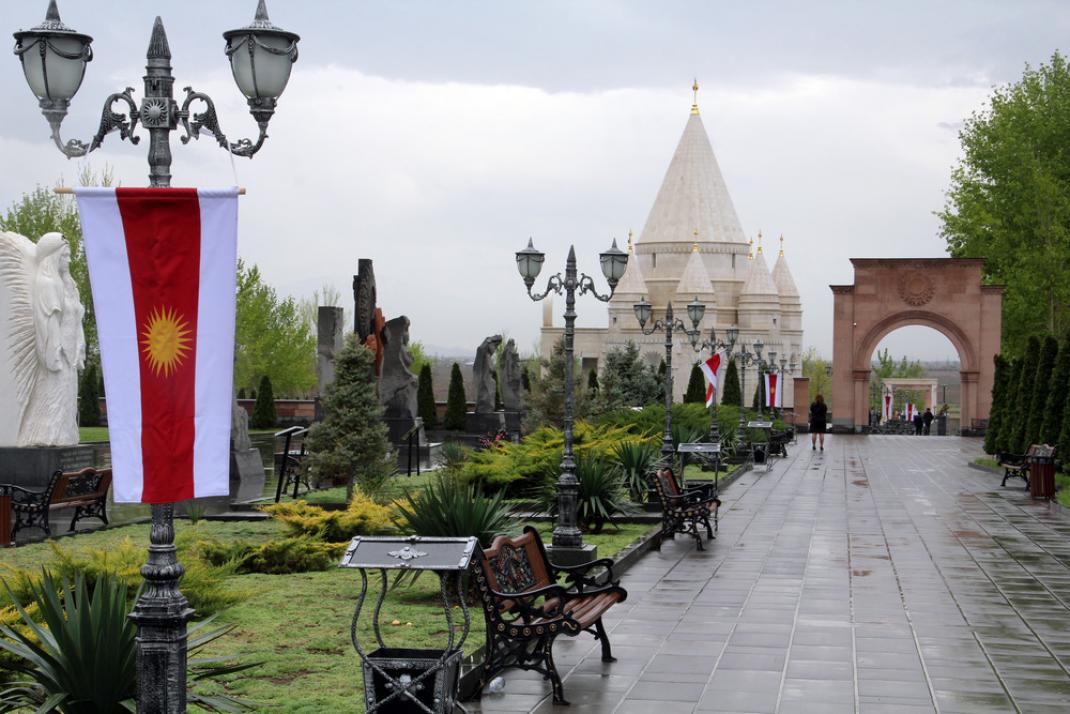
[[42, 345]]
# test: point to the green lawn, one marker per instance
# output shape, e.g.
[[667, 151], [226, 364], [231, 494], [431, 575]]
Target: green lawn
[[298, 625], [92, 433], [694, 472], [987, 463]]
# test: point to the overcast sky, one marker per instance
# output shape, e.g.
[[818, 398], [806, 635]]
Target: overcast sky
[[436, 137]]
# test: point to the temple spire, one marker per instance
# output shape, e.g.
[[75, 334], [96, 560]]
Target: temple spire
[[781, 245], [694, 105]]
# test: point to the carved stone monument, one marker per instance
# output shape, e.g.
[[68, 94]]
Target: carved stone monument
[[368, 319], [42, 347], [485, 420], [246, 464], [330, 336], [511, 384]]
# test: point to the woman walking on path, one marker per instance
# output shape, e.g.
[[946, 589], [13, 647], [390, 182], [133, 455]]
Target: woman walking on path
[[819, 412]]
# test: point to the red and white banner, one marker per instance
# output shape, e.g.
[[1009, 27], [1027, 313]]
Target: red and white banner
[[709, 369], [162, 265], [774, 394], [910, 412], [887, 407]]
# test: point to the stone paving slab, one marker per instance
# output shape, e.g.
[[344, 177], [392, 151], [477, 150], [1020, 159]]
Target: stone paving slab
[[881, 576]]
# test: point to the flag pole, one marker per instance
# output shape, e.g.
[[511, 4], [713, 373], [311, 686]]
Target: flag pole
[[67, 190]]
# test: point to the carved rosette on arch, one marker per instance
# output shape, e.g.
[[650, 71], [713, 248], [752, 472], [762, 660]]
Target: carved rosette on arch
[[915, 288]]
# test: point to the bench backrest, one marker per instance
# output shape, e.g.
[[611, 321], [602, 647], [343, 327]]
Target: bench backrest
[[84, 485], [1041, 451], [665, 484], [516, 565]]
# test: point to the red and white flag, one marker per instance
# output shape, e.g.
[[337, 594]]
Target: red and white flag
[[774, 395], [887, 407], [910, 412], [162, 265], [710, 368]]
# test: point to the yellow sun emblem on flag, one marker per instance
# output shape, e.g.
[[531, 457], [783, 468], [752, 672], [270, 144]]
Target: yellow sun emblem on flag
[[166, 341]]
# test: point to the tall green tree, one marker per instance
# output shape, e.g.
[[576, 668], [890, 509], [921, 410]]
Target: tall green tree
[[1057, 396], [592, 382], [1049, 349], [546, 404], [999, 396], [264, 415], [1009, 199], [89, 397], [886, 367], [1008, 416], [816, 369], [456, 402], [627, 381], [732, 395], [696, 387], [271, 338], [350, 445], [425, 398], [759, 393], [1062, 446], [1018, 444], [663, 380]]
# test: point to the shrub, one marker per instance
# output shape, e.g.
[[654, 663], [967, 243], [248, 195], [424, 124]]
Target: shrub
[[425, 399], [264, 416], [636, 459], [448, 507], [696, 387], [456, 403], [732, 394], [602, 494], [363, 516], [350, 445], [454, 455], [281, 556], [89, 397]]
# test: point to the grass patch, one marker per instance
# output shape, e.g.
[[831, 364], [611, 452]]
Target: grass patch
[[92, 433], [1062, 486], [987, 463], [695, 472], [298, 624]]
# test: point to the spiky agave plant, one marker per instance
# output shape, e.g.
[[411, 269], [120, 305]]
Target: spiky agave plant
[[602, 495], [636, 459], [81, 658], [449, 507]]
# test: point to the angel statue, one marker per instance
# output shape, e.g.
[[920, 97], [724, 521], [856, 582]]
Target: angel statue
[[43, 345]]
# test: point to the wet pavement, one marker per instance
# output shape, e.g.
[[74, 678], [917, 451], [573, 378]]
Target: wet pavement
[[882, 576]]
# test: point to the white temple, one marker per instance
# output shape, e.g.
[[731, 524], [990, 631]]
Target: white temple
[[694, 246]]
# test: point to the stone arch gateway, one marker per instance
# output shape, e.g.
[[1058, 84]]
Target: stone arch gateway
[[945, 294]]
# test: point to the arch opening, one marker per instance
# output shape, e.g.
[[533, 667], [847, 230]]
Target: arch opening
[[916, 365]]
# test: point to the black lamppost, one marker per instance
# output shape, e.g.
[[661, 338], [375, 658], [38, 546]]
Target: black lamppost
[[713, 345], [643, 313], [53, 58], [529, 262], [746, 359]]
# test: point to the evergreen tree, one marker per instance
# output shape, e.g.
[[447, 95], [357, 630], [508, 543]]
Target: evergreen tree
[[425, 398], [696, 387], [1063, 445], [1008, 412], [546, 405], [1053, 407], [662, 381], [241, 393], [759, 392], [731, 393], [999, 396], [89, 398], [264, 416], [1018, 444], [456, 403], [525, 380], [592, 382], [350, 445], [1041, 387], [626, 380]]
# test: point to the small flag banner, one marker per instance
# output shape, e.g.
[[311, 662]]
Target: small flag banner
[[774, 395], [910, 412], [162, 265], [709, 369], [887, 407]]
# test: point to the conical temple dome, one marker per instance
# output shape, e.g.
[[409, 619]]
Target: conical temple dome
[[759, 281], [693, 195], [695, 281], [633, 285], [785, 284]]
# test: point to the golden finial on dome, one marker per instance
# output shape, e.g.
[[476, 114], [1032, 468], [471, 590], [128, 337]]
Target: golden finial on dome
[[629, 241], [759, 242], [781, 245], [694, 245], [694, 88], [750, 249]]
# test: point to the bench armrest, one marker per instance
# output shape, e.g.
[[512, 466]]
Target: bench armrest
[[576, 575], [521, 601]]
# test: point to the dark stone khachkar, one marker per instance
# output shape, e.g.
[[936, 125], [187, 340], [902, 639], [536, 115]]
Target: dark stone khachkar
[[511, 379], [483, 373], [397, 385], [330, 337], [364, 299]]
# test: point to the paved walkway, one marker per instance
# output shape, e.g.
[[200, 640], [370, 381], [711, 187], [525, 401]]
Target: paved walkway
[[881, 576]]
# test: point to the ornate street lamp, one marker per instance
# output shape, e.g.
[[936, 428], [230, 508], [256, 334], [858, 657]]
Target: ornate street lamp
[[53, 58], [643, 313], [713, 345], [567, 540]]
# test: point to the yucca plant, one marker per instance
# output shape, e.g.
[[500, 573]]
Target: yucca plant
[[80, 659], [602, 495], [636, 459], [448, 507]]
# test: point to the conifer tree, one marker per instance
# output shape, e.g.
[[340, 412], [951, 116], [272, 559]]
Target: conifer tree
[[350, 445], [1008, 412], [1053, 407], [425, 398], [663, 371], [456, 403], [999, 395], [1063, 445], [731, 393], [759, 392], [1041, 387], [264, 416], [1018, 443], [592, 382], [525, 380], [89, 398], [696, 387]]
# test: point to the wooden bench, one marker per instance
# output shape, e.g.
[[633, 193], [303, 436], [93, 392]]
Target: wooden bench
[[1013, 465], [684, 510], [526, 608], [86, 491]]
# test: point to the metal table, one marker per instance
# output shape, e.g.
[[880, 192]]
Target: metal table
[[705, 450], [760, 452], [406, 680]]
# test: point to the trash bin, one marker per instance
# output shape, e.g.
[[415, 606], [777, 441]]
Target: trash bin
[[1041, 461], [941, 425]]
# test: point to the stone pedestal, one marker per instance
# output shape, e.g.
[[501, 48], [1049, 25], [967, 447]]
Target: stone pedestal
[[32, 466], [572, 556], [398, 430], [513, 422], [484, 424]]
